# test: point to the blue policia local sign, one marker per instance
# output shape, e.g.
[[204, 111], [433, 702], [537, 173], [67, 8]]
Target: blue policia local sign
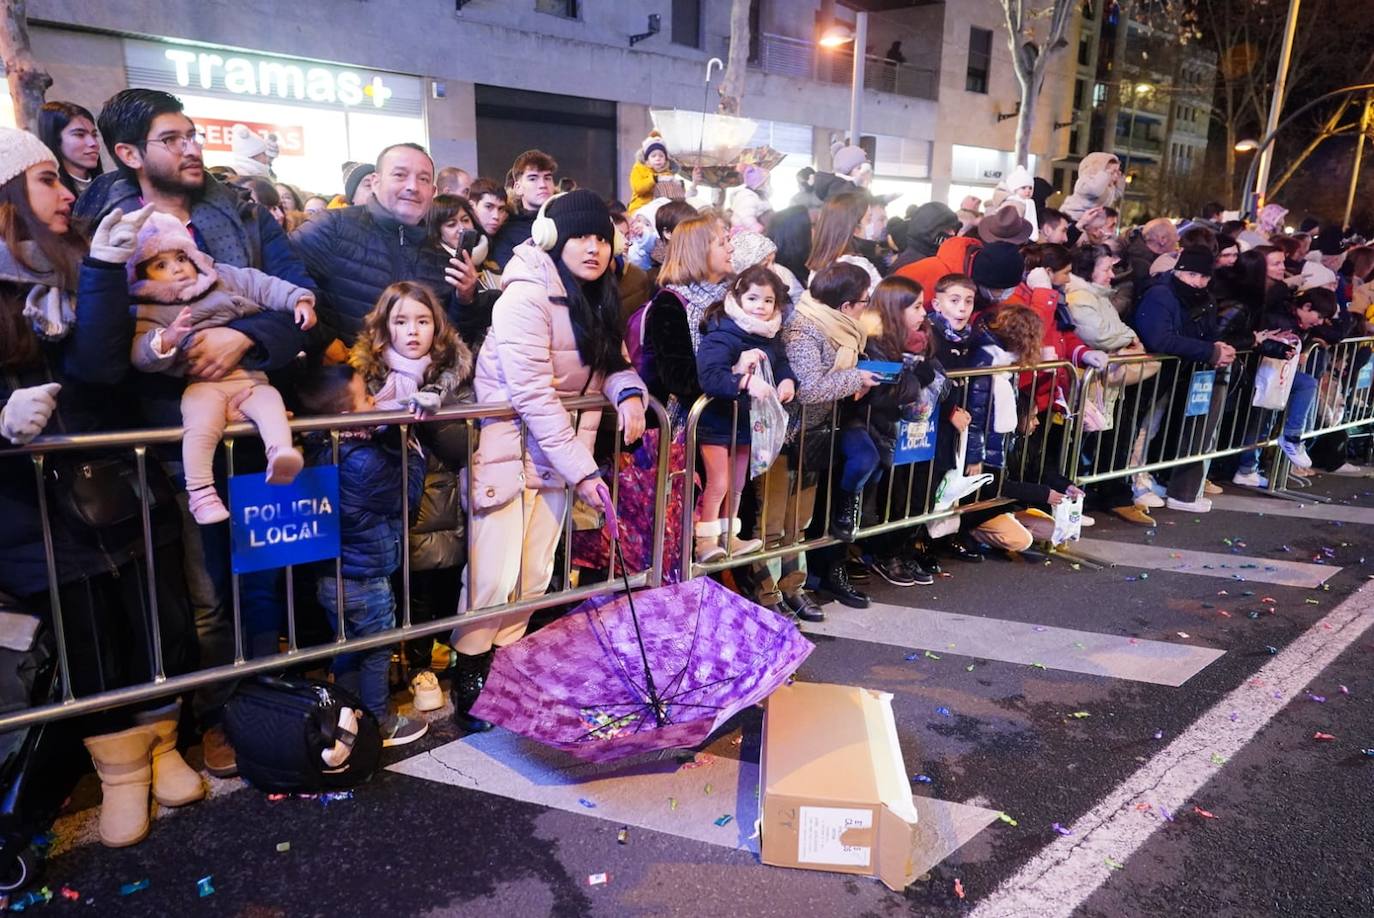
[[1200, 393], [276, 525]]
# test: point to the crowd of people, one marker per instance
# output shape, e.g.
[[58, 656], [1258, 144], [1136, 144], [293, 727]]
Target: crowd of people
[[164, 293]]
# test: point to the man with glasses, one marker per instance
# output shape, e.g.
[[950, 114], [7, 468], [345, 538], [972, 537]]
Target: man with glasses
[[158, 152]]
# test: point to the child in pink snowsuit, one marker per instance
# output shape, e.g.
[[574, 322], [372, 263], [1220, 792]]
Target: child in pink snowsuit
[[178, 291]]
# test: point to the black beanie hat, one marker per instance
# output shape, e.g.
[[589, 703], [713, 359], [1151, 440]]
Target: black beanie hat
[[354, 174], [580, 213], [1197, 259], [998, 265], [1328, 241]]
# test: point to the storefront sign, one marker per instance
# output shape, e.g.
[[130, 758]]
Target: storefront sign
[[249, 76], [1200, 393], [275, 525], [219, 135]]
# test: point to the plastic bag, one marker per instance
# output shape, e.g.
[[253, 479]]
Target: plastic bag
[[1068, 520], [767, 424], [1274, 382], [955, 486]]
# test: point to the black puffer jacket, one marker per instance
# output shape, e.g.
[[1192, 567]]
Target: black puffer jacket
[[514, 231], [355, 253], [881, 409]]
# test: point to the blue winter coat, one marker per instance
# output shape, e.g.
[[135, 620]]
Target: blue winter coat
[[1166, 327], [369, 501], [721, 346], [355, 253], [984, 444]]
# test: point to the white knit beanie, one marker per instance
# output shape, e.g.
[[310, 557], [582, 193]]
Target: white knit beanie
[[244, 144], [19, 150]]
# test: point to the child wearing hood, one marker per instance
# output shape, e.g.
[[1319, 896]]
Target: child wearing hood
[[1100, 184], [654, 174], [1018, 188], [178, 291]]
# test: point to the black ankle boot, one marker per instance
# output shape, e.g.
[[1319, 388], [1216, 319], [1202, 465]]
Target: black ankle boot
[[469, 676], [845, 519], [836, 582]]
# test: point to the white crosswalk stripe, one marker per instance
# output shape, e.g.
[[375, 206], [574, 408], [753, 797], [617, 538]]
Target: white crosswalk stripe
[[1206, 563]]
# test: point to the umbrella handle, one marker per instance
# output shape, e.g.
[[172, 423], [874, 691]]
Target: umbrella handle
[[608, 507]]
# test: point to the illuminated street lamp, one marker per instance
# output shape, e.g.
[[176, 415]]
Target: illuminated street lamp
[[838, 35], [1248, 145]]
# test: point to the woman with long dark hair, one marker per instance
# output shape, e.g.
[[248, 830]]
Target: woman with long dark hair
[[555, 333], [790, 231], [69, 132], [834, 238], [60, 355]]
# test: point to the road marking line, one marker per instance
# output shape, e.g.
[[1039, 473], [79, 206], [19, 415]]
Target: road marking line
[[1157, 662], [641, 792], [1272, 507], [1067, 871], [1206, 563]]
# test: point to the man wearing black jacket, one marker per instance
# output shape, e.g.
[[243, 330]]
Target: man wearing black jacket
[[532, 177]]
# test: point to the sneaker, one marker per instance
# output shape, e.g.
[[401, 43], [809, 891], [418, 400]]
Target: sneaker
[[893, 571], [1143, 493], [1352, 470], [398, 730], [1085, 521], [1252, 479], [919, 575], [425, 688], [1201, 505], [1208, 487], [206, 507], [1296, 452], [1134, 514]]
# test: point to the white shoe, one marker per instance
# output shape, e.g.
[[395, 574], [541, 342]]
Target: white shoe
[[1146, 498], [1201, 505], [1296, 452], [1352, 470], [1250, 479], [425, 687], [1085, 521]]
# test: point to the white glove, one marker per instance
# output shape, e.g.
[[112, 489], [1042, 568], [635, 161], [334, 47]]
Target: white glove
[[424, 402], [117, 235], [27, 412], [1095, 359], [1039, 279]]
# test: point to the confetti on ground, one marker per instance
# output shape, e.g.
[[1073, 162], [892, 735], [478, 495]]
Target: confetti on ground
[[1323, 737], [943, 712], [128, 889], [1223, 613], [1007, 819], [1166, 814], [204, 888], [725, 820], [707, 790], [969, 668], [1344, 690], [912, 657], [587, 803], [1038, 665], [1159, 734], [1040, 628], [1234, 717], [958, 888], [1271, 648], [1203, 813], [922, 779], [283, 847], [1061, 830], [1183, 634], [623, 836], [35, 897], [1113, 863], [1311, 602], [1079, 715], [598, 879], [672, 803], [932, 656], [1367, 752], [69, 894], [1218, 759], [1320, 699]]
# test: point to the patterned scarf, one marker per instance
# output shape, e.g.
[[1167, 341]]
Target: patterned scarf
[[698, 297], [404, 380]]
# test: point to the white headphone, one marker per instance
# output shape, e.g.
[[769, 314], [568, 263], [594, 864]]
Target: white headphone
[[544, 231]]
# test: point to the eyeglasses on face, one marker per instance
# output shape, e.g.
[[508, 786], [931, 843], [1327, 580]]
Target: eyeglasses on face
[[178, 143]]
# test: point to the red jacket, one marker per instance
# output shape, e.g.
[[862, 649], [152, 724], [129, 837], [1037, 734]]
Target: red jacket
[[1066, 345], [955, 256]]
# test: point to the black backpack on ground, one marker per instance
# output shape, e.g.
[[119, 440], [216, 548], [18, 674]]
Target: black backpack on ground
[[280, 726]]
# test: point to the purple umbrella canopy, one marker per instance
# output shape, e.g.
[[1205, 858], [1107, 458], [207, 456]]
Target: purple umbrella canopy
[[580, 683]]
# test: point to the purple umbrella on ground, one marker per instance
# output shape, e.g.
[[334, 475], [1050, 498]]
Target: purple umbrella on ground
[[604, 682]]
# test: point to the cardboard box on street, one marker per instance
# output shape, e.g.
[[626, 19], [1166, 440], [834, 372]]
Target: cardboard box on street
[[835, 794]]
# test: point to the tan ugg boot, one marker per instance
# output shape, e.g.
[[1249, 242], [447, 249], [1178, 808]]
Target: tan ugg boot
[[124, 761], [174, 782], [706, 546]]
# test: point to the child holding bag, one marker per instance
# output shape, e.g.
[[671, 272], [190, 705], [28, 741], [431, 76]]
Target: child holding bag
[[738, 334]]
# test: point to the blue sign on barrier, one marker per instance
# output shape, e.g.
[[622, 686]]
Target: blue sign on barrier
[[916, 430], [1365, 378], [276, 525], [1200, 393]]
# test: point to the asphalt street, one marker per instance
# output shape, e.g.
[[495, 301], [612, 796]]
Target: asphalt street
[[1212, 797]]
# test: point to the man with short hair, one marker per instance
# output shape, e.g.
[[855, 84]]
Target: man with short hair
[[354, 253], [488, 200], [1054, 226], [1156, 238], [453, 180], [158, 153], [532, 184]]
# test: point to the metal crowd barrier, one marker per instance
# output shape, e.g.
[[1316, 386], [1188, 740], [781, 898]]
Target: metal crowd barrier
[[138, 441], [906, 493]]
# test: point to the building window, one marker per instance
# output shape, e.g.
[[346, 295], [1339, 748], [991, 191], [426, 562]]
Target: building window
[[1084, 51], [979, 59], [1099, 94], [564, 8], [687, 23], [1078, 100], [1058, 180]]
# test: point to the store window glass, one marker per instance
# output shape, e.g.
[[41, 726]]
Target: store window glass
[[979, 59]]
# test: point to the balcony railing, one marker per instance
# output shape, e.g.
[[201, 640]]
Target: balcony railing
[[786, 56]]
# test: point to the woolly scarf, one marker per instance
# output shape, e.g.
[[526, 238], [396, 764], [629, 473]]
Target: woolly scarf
[[405, 379], [763, 328], [50, 309], [947, 331], [698, 297], [843, 332]]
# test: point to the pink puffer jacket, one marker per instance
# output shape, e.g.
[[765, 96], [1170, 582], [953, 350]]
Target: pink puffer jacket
[[529, 360]]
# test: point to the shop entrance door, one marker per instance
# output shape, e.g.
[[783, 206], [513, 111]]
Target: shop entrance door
[[579, 133]]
